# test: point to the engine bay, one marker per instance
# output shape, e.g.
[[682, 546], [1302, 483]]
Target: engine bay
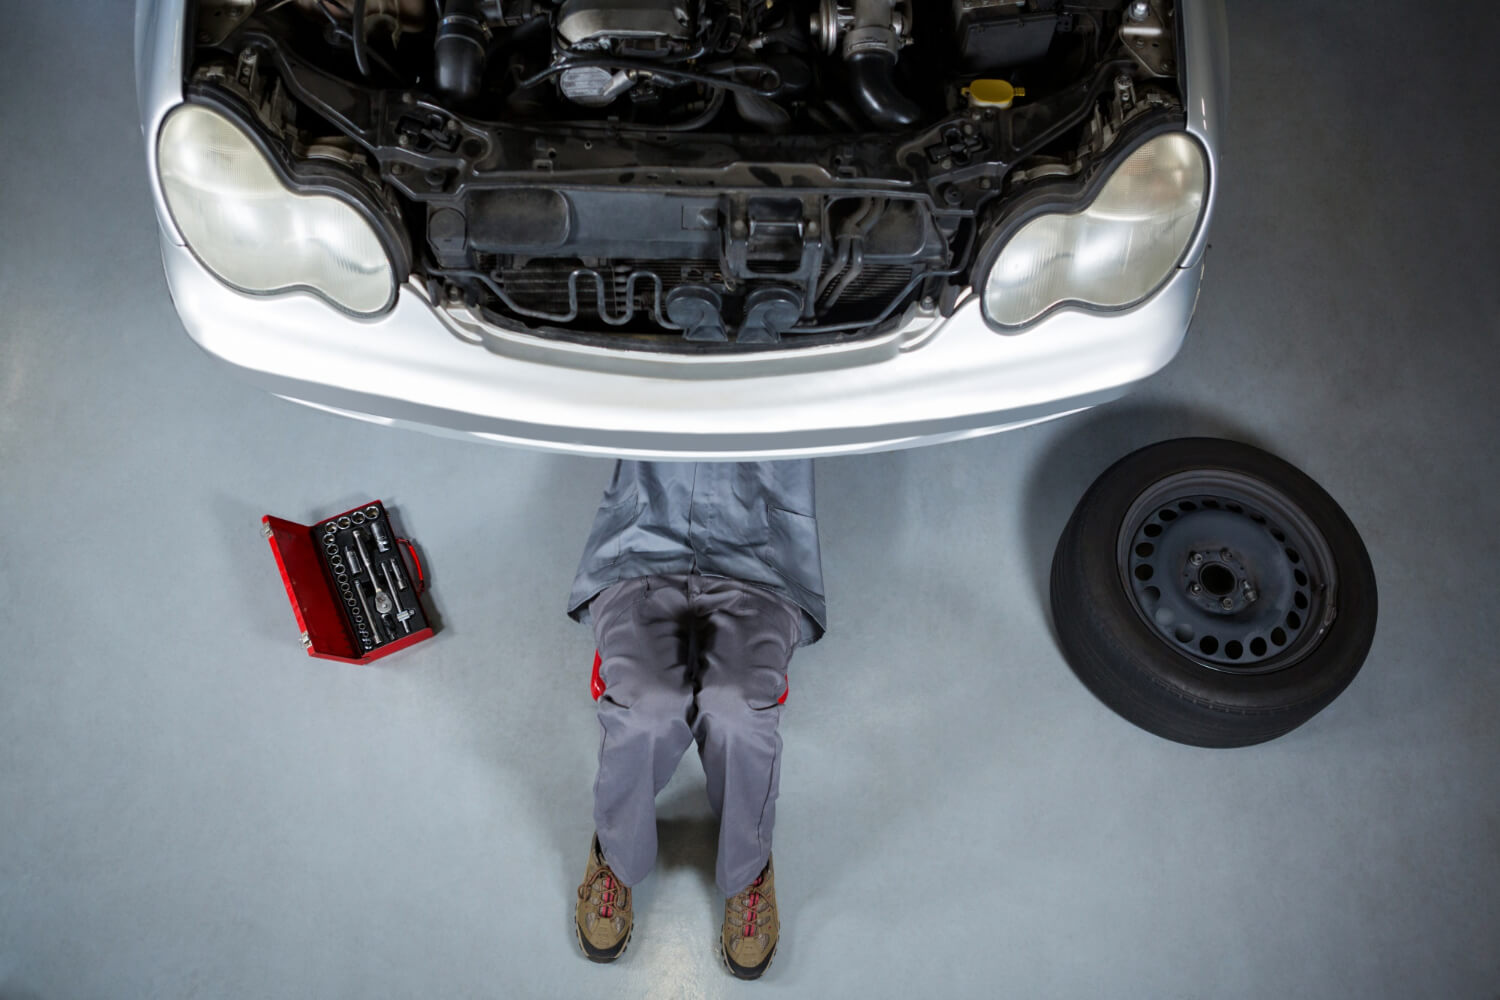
[[700, 65], [693, 174]]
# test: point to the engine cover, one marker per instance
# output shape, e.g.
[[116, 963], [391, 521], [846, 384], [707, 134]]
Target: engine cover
[[639, 26]]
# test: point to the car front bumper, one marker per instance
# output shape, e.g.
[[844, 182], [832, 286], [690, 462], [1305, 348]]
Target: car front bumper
[[936, 380]]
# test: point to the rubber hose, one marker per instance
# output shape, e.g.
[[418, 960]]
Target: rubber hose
[[872, 78], [460, 50], [357, 39]]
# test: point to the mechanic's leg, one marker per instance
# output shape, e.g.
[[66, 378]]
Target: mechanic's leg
[[747, 637], [642, 630]]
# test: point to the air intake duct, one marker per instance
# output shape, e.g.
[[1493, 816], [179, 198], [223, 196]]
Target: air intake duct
[[872, 44], [460, 50]]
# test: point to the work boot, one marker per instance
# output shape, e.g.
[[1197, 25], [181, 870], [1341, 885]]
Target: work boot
[[604, 916], [751, 928]]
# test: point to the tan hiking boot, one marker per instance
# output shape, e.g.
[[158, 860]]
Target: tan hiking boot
[[751, 928], [603, 918]]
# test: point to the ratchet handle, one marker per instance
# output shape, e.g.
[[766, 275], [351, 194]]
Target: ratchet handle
[[420, 583]]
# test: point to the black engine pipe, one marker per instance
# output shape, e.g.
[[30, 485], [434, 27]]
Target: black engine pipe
[[460, 50], [357, 38], [872, 78]]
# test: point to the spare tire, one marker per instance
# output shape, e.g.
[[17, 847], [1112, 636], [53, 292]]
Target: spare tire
[[1212, 594]]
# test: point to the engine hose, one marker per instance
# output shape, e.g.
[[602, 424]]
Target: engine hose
[[461, 50], [862, 227], [357, 32], [872, 78], [710, 112], [854, 229], [840, 261], [707, 77], [856, 268]]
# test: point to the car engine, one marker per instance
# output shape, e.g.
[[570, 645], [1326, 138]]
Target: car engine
[[693, 175], [674, 63]]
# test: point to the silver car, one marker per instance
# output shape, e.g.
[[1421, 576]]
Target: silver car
[[686, 229]]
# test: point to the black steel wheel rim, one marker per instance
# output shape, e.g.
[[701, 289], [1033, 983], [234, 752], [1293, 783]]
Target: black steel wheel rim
[[1228, 571]]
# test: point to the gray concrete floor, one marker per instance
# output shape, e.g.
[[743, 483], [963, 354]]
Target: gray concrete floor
[[189, 807]]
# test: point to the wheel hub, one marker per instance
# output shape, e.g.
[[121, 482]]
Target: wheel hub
[[1226, 570], [1219, 582]]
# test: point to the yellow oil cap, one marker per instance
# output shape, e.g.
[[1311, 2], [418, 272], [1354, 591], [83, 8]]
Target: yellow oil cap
[[992, 93]]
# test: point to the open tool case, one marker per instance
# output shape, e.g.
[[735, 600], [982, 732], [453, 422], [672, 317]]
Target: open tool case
[[355, 586]]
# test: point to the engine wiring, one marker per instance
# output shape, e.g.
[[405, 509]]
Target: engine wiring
[[363, 55], [708, 76]]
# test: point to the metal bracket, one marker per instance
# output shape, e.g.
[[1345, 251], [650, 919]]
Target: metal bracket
[[218, 18], [775, 238], [1148, 36]]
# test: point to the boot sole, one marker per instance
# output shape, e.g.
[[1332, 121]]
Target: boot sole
[[594, 954], [741, 972]]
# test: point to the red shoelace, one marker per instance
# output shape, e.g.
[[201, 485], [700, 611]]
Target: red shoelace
[[752, 900], [612, 895], [607, 898]]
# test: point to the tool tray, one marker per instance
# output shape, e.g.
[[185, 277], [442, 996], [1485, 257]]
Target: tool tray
[[355, 585]]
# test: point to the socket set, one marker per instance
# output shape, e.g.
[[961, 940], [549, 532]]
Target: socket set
[[355, 585]]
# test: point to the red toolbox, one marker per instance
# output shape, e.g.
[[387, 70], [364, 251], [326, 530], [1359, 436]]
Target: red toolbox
[[354, 584]]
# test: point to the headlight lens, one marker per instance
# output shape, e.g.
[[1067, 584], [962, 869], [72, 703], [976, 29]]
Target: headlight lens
[[255, 233], [1115, 252]]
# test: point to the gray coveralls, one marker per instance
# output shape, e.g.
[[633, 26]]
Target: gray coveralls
[[700, 580]]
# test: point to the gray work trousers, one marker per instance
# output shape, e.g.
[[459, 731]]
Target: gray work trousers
[[689, 658]]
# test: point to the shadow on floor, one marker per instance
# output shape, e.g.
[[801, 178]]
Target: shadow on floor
[[687, 834]]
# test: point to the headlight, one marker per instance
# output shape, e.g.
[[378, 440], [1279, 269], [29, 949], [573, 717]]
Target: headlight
[[1115, 252], [253, 231]]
